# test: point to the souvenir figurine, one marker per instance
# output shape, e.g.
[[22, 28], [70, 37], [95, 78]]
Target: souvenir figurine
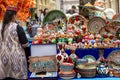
[[78, 32], [91, 40], [98, 41], [70, 38], [65, 55], [53, 38], [110, 37], [73, 55], [84, 28], [62, 38], [85, 41], [36, 40], [70, 28], [95, 45], [39, 31], [86, 45], [90, 45], [100, 7], [78, 36], [45, 38]]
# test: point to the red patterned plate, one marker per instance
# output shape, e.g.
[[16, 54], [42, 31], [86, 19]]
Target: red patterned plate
[[76, 18]]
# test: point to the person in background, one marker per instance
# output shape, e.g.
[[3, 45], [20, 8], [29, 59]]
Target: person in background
[[41, 16], [28, 21], [46, 10], [13, 63], [36, 16], [72, 10]]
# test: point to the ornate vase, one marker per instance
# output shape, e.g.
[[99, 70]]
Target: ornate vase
[[102, 70]]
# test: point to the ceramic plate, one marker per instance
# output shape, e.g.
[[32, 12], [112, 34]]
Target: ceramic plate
[[90, 58], [75, 18], [95, 24], [54, 14], [114, 56]]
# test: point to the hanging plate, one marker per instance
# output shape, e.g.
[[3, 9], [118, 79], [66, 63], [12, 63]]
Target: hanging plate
[[115, 23], [54, 14], [75, 18], [56, 17], [95, 24]]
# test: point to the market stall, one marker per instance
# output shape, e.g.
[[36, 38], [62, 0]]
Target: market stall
[[85, 48], [72, 47]]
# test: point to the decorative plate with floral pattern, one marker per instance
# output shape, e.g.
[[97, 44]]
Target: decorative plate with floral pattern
[[95, 24], [114, 56]]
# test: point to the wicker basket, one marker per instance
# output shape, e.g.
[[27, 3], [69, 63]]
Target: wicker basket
[[87, 72]]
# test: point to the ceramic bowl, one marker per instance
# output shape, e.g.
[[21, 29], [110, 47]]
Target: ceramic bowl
[[66, 66], [87, 72]]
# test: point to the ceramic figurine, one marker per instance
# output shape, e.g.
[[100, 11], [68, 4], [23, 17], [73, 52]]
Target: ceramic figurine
[[106, 43], [73, 55], [39, 31], [65, 55], [36, 40], [86, 45], [98, 41], [62, 38], [70, 38], [53, 38], [91, 39], [78, 36], [70, 28], [84, 28], [45, 38], [90, 45], [95, 45], [100, 7]]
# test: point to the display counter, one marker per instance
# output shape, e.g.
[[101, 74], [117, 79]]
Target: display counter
[[80, 53]]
